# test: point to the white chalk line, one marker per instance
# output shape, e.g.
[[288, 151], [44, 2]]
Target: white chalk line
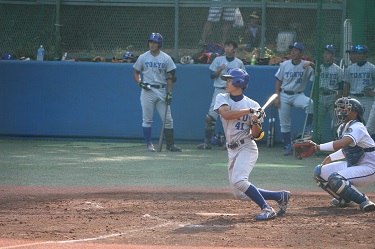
[[164, 224]]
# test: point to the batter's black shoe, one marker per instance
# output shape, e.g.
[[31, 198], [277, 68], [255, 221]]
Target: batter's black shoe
[[174, 148], [283, 202], [204, 146]]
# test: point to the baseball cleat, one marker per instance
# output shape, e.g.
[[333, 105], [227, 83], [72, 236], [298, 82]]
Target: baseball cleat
[[340, 203], [367, 205], [266, 214], [174, 148], [150, 147], [288, 150], [283, 202], [204, 146]]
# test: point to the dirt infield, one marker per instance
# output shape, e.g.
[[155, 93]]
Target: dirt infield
[[73, 217]]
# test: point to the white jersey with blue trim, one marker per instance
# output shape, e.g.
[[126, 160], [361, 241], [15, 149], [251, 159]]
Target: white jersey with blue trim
[[294, 77], [218, 62], [154, 68], [330, 77], [360, 77], [358, 132], [236, 129]]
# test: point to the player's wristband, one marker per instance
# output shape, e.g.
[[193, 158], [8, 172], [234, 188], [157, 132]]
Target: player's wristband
[[327, 146], [337, 155]]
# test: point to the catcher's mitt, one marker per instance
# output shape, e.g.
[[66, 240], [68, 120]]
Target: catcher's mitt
[[304, 149]]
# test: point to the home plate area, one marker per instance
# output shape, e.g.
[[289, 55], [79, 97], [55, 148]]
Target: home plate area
[[182, 219]]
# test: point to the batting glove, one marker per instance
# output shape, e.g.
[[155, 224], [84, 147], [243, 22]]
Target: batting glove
[[145, 86], [168, 98]]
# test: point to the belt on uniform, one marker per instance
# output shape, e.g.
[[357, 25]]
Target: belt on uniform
[[371, 149], [327, 92], [236, 144], [290, 92], [221, 87], [157, 86], [358, 94]]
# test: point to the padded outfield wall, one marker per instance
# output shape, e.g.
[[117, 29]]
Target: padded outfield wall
[[101, 100]]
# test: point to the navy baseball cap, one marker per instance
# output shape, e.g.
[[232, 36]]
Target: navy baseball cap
[[361, 49], [330, 48], [351, 49], [298, 46], [6, 56]]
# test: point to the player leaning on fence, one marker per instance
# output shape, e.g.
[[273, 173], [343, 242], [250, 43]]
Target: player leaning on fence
[[291, 81]]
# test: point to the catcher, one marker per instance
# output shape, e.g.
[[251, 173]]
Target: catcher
[[340, 178]]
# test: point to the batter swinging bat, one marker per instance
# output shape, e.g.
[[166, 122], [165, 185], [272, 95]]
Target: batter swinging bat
[[162, 130]]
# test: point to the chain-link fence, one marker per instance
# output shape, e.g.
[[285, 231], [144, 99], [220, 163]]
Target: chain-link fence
[[87, 28], [108, 28]]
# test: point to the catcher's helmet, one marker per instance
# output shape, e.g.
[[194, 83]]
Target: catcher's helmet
[[156, 37], [128, 55], [240, 77], [345, 105]]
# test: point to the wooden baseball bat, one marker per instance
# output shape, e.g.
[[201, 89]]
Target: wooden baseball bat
[[160, 146]]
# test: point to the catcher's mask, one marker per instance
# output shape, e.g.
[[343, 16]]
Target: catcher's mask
[[156, 37], [240, 77], [343, 106]]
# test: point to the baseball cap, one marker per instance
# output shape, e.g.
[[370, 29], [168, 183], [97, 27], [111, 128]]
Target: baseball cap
[[330, 48], [297, 45], [254, 15], [361, 49], [6, 56], [351, 49]]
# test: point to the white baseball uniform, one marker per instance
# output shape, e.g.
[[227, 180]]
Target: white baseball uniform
[[330, 79], [359, 79], [241, 160], [294, 80], [363, 174], [154, 70], [371, 120]]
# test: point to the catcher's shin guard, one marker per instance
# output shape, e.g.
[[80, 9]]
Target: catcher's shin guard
[[322, 183], [343, 188], [208, 135]]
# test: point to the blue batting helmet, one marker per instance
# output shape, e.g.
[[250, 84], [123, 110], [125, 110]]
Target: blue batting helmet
[[156, 37], [240, 77], [128, 55]]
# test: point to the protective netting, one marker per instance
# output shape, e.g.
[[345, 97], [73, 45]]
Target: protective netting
[[108, 28]]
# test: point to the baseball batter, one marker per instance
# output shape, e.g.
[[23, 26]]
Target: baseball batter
[[242, 126], [219, 66], [341, 178], [291, 81], [330, 88], [158, 71], [359, 80]]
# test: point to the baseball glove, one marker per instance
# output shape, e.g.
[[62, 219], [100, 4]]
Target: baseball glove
[[304, 149]]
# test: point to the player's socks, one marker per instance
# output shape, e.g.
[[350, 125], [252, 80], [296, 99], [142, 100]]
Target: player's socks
[[270, 195], [253, 193], [286, 138], [147, 134]]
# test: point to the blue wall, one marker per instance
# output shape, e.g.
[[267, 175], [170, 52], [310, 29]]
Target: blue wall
[[101, 100]]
